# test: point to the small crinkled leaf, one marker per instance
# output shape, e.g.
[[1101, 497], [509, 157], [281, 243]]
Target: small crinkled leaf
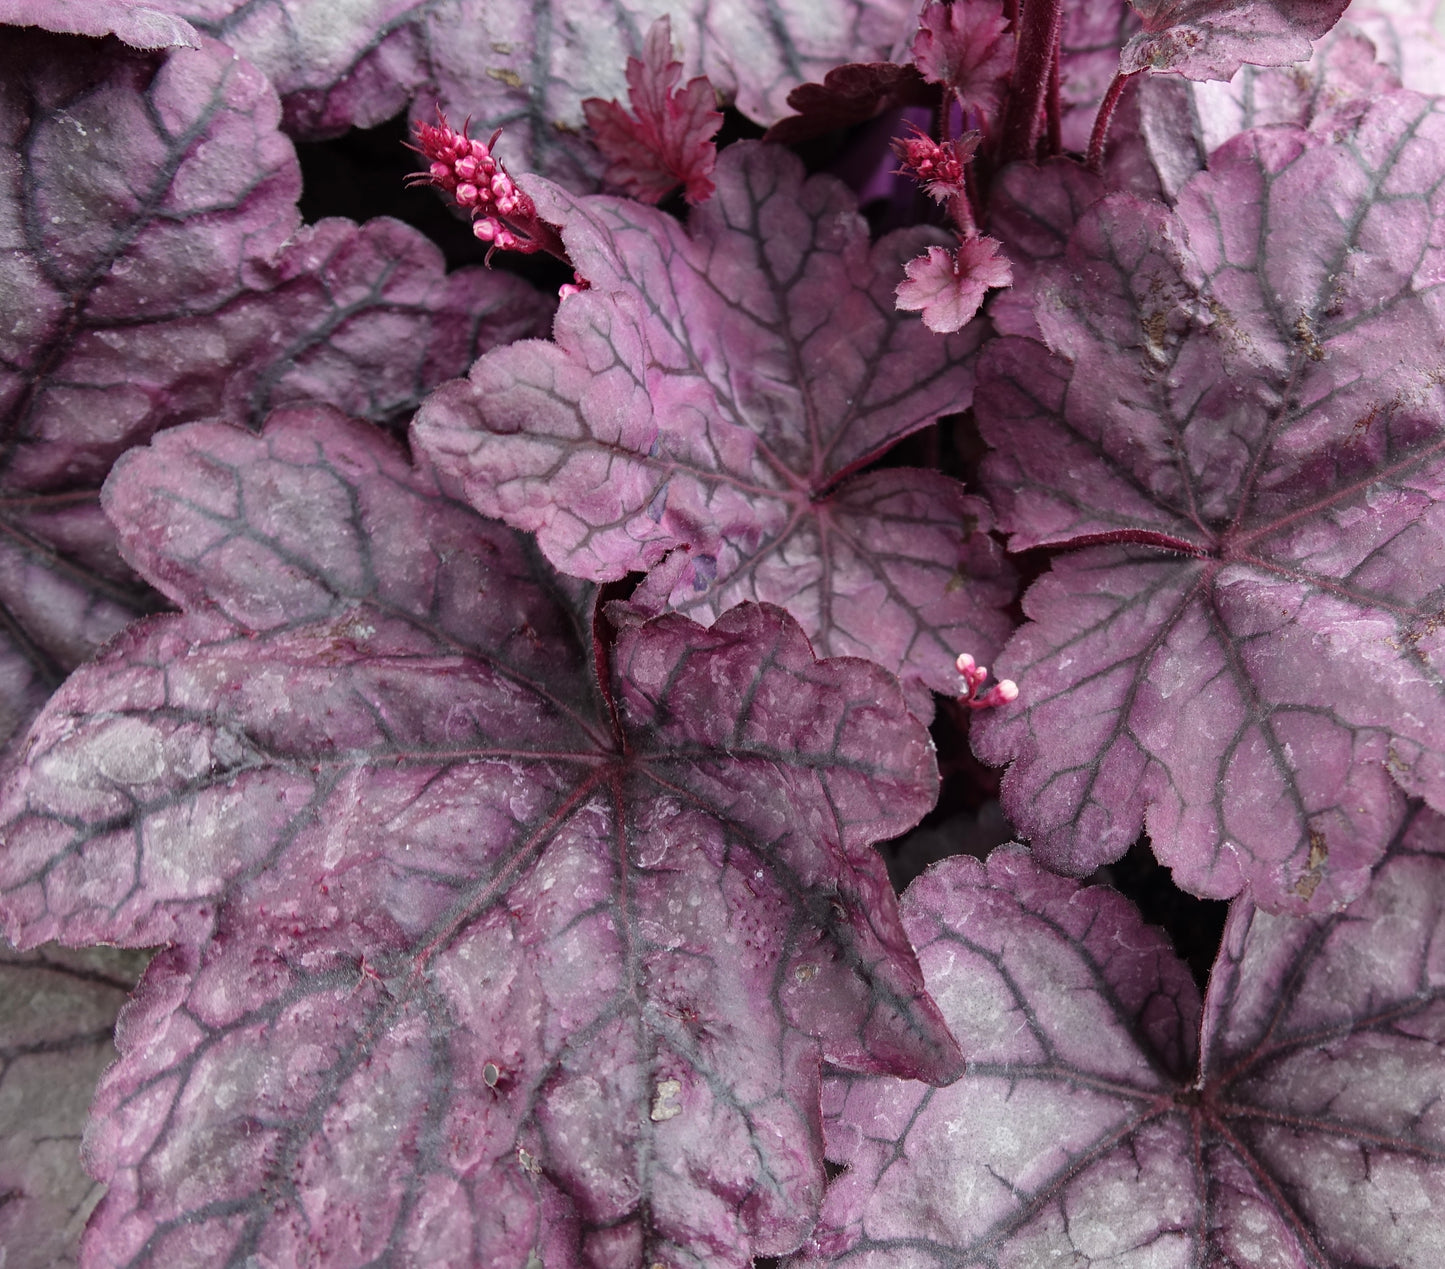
[[466, 967], [139, 25], [57, 1010], [527, 67], [152, 242], [1082, 1135], [1244, 432], [704, 406], [1211, 39], [665, 140], [967, 47]]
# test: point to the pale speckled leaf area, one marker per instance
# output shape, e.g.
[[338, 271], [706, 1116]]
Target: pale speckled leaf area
[[152, 240], [465, 963], [1308, 1136], [1243, 655], [1211, 39], [57, 1011], [704, 409], [528, 68]]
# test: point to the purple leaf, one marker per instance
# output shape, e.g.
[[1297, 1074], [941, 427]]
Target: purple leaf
[[162, 274], [704, 405], [530, 68], [468, 965], [1088, 60], [57, 1009], [139, 25], [1211, 39], [1081, 1135], [1249, 438], [1183, 122]]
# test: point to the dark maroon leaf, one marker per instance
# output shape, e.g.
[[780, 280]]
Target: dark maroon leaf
[[162, 275], [467, 966], [1250, 424], [706, 402], [1081, 1135], [665, 140], [57, 1008], [530, 67], [850, 95], [1211, 39], [139, 25]]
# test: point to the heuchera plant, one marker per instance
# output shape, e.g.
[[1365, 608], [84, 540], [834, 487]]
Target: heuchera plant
[[462, 708]]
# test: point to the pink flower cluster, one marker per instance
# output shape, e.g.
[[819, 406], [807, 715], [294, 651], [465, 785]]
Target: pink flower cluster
[[937, 167], [502, 214], [1004, 692]]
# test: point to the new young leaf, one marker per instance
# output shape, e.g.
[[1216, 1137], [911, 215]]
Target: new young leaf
[[704, 406]]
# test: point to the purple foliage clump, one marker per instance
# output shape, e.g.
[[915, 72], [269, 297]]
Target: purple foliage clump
[[467, 698]]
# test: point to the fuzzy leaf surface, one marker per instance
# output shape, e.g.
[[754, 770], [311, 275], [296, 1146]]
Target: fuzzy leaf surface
[[467, 966], [1211, 39], [57, 1011], [528, 67], [1084, 1134], [139, 25], [703, 408], [154, 249], [1243, 433]]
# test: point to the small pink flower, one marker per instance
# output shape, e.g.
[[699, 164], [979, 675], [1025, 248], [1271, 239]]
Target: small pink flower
[[948, 287]]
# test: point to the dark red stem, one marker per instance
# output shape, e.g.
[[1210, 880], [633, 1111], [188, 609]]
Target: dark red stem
[[1052, 112], [1038, 32], [1105, 116]]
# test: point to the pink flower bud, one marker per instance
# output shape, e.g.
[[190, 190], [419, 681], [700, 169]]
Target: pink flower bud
[[466, 195]]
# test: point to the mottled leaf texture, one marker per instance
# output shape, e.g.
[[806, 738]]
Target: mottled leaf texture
[[158, 273], [1211, 39], [529, 67], [1184, 121], [139, 25], [469, 964], [665, 140], [1309, 1135], [704, 405], [1244, 430], [57, 1009]]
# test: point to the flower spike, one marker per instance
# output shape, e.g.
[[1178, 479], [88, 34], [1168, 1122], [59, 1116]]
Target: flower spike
[[465, 169], [1004, 692]]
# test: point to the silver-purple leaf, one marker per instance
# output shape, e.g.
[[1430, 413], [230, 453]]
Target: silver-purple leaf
[[1309, 1134], [137, 24], [159, 273], [57, 1010], [529, 68], [1211, 39], [705, 405], [471, 962], [1243, 433]]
